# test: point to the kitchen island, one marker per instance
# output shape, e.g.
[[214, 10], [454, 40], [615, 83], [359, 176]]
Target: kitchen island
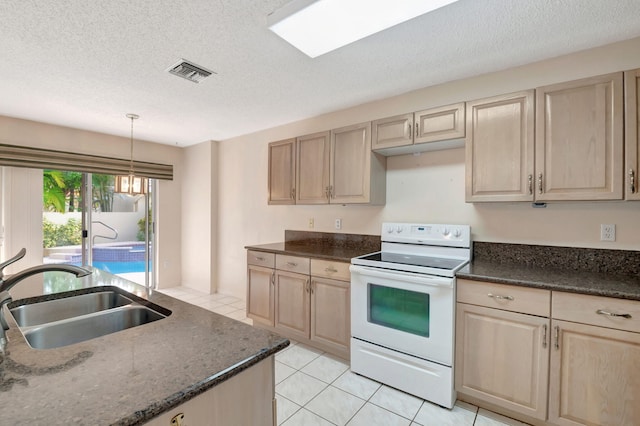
[[131, 376]]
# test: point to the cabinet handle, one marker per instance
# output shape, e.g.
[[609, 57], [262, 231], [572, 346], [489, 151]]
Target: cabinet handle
[[306, 286], [409, 128], [330, 269], [540, 183], [611, 314], [260, 258], [293, 193], [417, 129], [326, 192], [544, 336], [556, 336], [499, 297], [530, 184], [331, 192], [292, 264], [632, 181], [177, 420], [312, 286], [273, 278]]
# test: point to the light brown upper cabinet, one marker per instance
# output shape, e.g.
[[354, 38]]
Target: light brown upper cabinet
[[312, 175], [579, 139], [499, 148], [282, 172], [357, 175], [426, 130], [338, 167], [632, 135]]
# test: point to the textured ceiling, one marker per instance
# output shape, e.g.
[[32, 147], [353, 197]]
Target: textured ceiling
[[85, 64]]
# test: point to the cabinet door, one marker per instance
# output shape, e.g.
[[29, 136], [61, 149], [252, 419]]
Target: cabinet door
[[632, 133], [499, 148], [282, 172], [227, 404], [330, 313], [260, 283], [439, 124], [392, 131], [313, 169], [503, 358], [350, 175], [579, 141], [292, 304], [595, 379]]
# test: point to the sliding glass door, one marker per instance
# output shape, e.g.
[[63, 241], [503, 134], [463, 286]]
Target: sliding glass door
[[86, 222]]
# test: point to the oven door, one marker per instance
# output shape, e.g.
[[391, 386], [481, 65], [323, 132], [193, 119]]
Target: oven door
[[406, 312]]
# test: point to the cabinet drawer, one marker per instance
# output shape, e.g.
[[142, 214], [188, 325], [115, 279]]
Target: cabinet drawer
[[261, 258], [512, 298], [597, 310], [330, 269], [292, 263]]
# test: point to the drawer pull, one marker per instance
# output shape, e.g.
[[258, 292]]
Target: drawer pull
[[556, 336], [611, 314], [292, 264], [260, 258], [330, 269], [499, 297], [544, 336]]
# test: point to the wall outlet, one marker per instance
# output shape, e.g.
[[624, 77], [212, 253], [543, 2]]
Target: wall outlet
[[338, 224], [607, 232], [311, 223]]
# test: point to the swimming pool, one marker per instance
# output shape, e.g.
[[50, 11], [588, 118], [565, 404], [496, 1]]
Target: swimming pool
[[121, 267]]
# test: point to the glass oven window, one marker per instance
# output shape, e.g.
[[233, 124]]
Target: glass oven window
[[402, 310]]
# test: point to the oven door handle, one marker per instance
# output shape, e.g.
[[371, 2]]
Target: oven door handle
[[402, 276]]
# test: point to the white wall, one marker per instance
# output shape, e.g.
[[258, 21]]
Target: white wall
[[41, 135], [424, 188], [199, 217]]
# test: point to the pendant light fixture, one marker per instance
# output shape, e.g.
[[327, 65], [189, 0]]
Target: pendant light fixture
[[131, 184]]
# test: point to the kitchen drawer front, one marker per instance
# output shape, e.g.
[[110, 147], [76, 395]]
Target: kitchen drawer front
[[261, 258], [512, 298], [330, 269], [621, 314], [292, 264]]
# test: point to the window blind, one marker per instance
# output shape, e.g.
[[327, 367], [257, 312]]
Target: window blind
[[38, 158]]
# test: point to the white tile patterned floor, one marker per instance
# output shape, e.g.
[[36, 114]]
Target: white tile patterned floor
[[316, 388]]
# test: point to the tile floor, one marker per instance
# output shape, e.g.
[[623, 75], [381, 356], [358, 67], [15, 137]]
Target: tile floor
[[316, 388]]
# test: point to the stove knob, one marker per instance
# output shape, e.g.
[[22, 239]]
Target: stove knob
[[457, 233], [399, 229], [389, 230], [445, 231]]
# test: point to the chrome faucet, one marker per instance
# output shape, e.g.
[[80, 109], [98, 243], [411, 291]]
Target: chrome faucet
[[6, 283]]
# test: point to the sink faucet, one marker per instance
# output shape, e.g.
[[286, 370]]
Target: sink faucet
[[7, 282]]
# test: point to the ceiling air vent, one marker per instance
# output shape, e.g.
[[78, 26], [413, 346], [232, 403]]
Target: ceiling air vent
[[190, 71]]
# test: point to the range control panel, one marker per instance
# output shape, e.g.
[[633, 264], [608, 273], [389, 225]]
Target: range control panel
[[431, 234]]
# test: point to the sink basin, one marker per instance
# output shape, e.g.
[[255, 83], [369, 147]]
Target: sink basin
[[79, 329], [81, 315], [67, 307]]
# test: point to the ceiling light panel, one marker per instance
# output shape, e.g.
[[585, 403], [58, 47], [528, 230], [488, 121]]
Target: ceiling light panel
[[316, 27]]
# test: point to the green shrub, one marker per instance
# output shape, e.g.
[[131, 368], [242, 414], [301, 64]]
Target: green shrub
[[68, 234]]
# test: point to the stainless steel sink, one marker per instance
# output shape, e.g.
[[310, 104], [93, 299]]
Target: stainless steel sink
[[81, 315], [68, 307], [79, 329]]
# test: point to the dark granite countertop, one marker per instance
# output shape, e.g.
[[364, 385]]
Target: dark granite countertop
[[128, 377], [575, 281], [342, 254]]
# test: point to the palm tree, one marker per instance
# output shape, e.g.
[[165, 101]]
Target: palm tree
[[53, 191]]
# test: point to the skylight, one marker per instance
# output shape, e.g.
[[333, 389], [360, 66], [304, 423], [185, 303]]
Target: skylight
[[316, 27]]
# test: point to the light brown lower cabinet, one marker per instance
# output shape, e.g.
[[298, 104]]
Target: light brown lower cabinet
[[503, 358], [587, 347], [304, 299], [245, 399]]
